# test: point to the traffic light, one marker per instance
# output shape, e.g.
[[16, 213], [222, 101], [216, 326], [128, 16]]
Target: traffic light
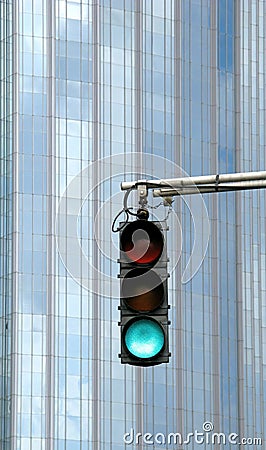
[[143, 293]]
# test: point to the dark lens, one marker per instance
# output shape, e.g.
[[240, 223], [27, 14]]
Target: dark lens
[[142, 290]]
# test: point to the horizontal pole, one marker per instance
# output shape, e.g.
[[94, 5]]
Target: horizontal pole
[[200, 189], [190, 181]]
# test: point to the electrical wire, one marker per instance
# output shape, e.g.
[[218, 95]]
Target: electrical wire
[[115, 230], [125, 210], [156, 206], [170, 209]]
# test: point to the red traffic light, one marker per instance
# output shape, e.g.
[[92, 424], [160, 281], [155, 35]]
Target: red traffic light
[[142, 242]]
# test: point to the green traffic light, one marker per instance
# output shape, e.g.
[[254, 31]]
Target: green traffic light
[[144, 338]]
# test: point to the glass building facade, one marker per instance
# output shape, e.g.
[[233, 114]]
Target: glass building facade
[[151, 86]]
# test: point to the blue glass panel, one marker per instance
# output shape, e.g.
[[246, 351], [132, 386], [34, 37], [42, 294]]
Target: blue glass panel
[[222, 15], [222, 51]]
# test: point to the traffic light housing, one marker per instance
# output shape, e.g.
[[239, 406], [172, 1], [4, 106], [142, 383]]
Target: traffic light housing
[[143, 293]]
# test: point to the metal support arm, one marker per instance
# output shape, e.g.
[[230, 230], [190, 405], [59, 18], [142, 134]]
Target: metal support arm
[[201, 184]]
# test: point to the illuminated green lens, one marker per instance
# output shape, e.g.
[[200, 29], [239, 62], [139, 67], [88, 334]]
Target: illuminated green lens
[[144, 338]]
